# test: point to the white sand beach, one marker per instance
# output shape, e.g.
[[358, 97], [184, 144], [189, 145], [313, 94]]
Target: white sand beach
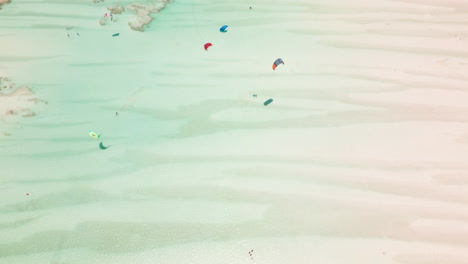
[[360, 158]]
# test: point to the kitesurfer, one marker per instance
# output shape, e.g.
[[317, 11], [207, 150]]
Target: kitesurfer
[[109, 15]]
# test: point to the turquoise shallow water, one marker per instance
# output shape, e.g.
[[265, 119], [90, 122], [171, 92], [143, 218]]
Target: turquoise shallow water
[[345, 159], [90, 205]]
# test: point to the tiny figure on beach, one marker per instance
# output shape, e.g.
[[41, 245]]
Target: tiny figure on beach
[[250, 8], [251, 254], [78, 34], [27, 194], [116, 114], [68, 35]]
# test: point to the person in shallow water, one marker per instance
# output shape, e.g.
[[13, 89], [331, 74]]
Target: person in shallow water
[[109, 15]]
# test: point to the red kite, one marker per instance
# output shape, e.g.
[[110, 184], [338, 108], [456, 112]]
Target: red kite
[[207, 45]]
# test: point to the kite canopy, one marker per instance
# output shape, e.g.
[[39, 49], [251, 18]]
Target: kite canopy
[[267, 102], [93, 135], [207, 45], [101, 146], [277, 62], [223, 29]]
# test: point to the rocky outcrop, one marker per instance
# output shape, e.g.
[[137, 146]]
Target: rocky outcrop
[[116, 10], [2, 2], [143, 13], [16, 100]]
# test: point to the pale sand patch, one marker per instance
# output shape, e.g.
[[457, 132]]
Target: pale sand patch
[[434, 98], [283, 108], [453, 178], [257, 114], [441, 228]]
